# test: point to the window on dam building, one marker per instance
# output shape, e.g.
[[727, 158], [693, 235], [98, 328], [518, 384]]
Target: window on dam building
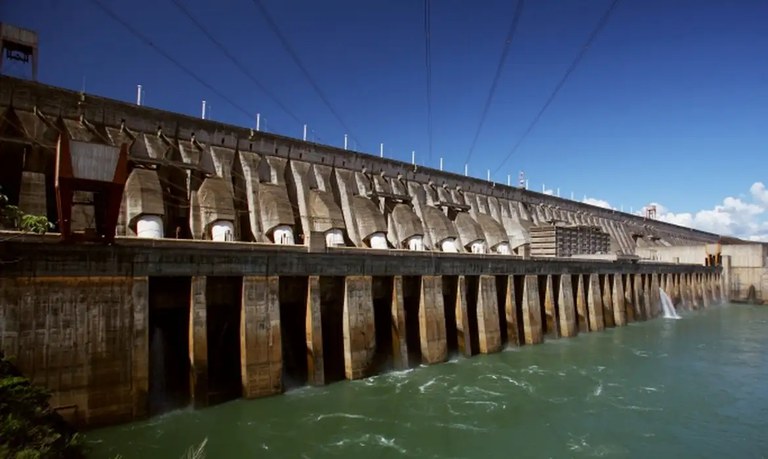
[[415, 243], [283, 235], [449, 245], [334, 238], [150, 226]]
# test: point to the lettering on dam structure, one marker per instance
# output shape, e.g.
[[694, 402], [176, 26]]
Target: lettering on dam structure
[[244, 264]]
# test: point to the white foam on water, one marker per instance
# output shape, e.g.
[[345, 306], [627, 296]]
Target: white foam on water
[[598, 390], [523, 385], [370, 440], [460, 426], [637, 408], [423, 387], [342, 415]]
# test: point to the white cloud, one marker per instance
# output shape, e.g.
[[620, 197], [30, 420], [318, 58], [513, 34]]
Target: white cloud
[[759, 193], [734, 217], [597, 202]]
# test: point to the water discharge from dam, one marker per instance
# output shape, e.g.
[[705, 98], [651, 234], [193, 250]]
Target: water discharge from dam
[[668, 306], [680, 388]]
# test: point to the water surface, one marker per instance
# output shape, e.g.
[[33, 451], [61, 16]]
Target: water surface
[[696, 387]]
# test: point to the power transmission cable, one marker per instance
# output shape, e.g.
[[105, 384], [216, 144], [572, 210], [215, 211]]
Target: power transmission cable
[[170, 58], [295, 57], [591, 38], [428, 64], [492, 91], [234, 60]]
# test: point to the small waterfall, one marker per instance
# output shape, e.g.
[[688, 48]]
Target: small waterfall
[[669, 308]]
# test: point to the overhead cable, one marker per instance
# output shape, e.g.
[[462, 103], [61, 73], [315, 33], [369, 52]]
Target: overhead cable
[[428, 64], [170, 58], [492, 91], [180, 5], [295, 57], [591, 38]]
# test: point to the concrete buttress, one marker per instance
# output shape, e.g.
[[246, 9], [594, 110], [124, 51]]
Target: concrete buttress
[[399, 341], [655, 295], [261, 356], [550, 308], [581, 305], [648, 298], [463, 333], [568, 326], [359, 327], [314, 331], [619, 307], [705, 294], [639, 298], [595, 304], [712, 284], [434, 348], [488, 330], [608, 314], [531, 311], [629, 300], [510, 312], [198, 341], [139, 360]]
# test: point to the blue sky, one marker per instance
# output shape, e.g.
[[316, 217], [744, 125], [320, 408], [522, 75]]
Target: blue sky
[[669, 105]]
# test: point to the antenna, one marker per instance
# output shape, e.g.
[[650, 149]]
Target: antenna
[[509, 179], [258, 121], [203, 115], [381, 150], [305, 133], [441, 163], [413, 157], [345, 141], [488, 175], [466, 169], [138, 94]]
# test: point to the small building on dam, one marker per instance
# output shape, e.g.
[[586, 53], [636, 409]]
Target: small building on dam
[[194, 262]]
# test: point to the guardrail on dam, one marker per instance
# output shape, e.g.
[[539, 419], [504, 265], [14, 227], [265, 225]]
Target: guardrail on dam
[[248, 263]]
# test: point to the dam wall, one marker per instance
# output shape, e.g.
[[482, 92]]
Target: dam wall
[[124, 331], [244, 264], [199, 179], [745, 265]]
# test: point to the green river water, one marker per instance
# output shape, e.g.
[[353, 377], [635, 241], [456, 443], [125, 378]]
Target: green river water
[[695, 387]]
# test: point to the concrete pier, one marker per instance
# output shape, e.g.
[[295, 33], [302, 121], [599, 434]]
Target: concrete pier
[[359, 329], [550, 309], [260, 340], [432, 320], [531, 311], [568, 326], [489, 334], [398, 330], [314, 334], [595, 304]]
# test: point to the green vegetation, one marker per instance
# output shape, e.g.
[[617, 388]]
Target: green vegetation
[[13, 217], [29, 428]]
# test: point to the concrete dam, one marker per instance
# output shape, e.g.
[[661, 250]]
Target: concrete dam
[[194, 262]]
